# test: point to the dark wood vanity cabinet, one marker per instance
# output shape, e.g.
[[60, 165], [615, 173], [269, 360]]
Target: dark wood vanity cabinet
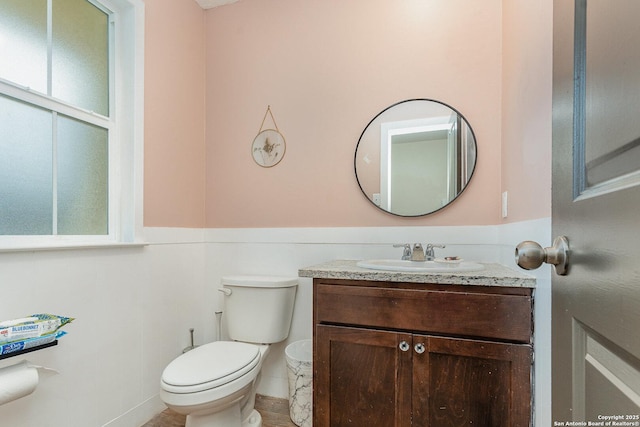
[[405, 354]]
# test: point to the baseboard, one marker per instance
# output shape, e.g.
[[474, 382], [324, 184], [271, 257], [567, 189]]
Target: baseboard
[[140, 414]]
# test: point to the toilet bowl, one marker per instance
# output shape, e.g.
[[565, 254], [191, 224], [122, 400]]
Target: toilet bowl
[[215, 384]]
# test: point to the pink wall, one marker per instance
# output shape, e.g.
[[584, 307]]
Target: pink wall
[[526, 107], [326, 68], [174, 176]]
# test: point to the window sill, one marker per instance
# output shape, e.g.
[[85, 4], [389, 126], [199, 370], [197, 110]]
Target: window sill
[[70, 246]]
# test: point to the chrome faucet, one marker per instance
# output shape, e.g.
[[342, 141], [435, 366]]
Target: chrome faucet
[[406, 253], [415, 254], [418, 253], [429, 253]]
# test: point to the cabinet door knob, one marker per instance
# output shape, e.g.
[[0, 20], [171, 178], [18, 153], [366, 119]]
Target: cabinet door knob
[[419, 348], [404, 346]]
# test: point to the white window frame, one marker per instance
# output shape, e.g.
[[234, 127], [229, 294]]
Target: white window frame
[[126, 134]]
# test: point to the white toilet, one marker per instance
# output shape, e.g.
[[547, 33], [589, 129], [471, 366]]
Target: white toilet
[[215, 384]]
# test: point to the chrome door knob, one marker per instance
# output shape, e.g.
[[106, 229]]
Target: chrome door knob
[[419, 348], [404, 346], [530, 255]]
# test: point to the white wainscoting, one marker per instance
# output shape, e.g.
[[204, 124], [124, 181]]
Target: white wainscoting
[[134, 307], [284, 251]]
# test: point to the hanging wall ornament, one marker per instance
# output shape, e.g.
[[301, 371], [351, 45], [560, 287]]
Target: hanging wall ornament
[[268, 146]]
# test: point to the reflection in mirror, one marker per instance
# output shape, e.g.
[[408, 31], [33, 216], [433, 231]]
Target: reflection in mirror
[[415, 157]]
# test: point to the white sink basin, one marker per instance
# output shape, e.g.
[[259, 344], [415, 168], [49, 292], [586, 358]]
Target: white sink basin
[[438, 266]]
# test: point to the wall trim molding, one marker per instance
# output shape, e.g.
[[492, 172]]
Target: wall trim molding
[[504, 235], [173, 235], [500, 234], [483, 234]]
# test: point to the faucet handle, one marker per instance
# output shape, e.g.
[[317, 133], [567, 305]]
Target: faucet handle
[[429, 252], [431, 245], [406, 253]]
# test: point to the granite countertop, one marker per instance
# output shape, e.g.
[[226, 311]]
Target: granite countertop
[[492, 275]]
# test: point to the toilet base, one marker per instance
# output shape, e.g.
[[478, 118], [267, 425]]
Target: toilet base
[[253, 420], [227, 418]]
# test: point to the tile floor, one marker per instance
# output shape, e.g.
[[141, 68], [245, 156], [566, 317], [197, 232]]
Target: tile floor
[[274, 411]]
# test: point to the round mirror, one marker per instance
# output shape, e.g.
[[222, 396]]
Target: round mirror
[[415, 157]]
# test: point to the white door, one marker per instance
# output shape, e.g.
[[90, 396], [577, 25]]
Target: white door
[[596, 205]]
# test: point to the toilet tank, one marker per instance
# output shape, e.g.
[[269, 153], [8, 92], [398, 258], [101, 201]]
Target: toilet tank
[[259, 308]]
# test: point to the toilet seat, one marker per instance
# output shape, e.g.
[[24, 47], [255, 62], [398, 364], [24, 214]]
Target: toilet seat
[[210, 366]]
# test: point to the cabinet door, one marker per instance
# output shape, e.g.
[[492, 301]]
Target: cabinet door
[[361, 378], [460, 382]]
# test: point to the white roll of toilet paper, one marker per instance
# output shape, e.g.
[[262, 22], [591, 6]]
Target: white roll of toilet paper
[[19, 380]]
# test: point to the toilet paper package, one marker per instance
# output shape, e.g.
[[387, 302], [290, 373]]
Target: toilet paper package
[[33, 326], [28, 343]]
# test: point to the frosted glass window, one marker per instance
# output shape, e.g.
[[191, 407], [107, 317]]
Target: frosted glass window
[[26, 196], [82, 178], [23, 43], [57, 120], [80, 58]]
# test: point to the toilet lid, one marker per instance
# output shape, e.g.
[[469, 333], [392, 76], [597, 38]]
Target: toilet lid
[[211, 365]]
